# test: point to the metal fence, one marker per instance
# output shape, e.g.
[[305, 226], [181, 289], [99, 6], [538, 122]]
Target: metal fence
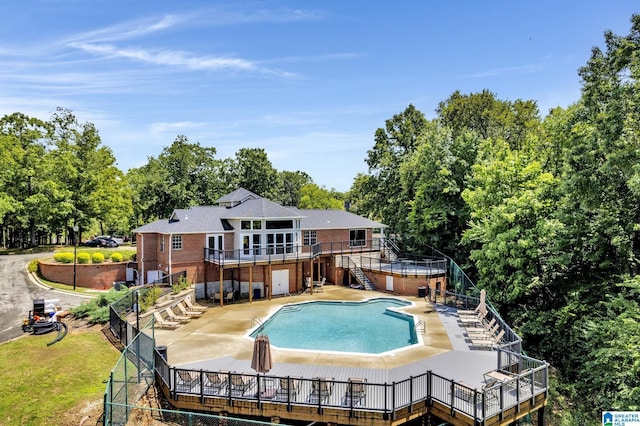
[[226, 388]]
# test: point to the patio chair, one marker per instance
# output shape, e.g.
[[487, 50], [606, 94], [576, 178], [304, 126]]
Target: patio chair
[[321, 389], [476, 319], [176, 318], [216, 383], [356, 392], [288, 390], [229, 297], [483, 329], [194, 307], [186, 313], [488, 342], [186, 381], [484, 333], [318, 285], [162, 323], [240, 384]]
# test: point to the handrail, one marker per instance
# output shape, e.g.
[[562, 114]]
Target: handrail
[[420, 327]]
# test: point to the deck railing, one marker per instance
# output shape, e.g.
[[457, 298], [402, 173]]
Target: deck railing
[[357, 395]]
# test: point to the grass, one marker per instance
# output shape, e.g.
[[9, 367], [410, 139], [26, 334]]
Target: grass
[[40, 383]]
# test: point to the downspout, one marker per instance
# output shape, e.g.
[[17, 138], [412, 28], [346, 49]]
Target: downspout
[[170, 253], [142, 278]]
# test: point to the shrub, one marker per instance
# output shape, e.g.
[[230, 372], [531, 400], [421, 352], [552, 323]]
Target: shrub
[[116, 257], [182, 284], [97, 257], [97, 310], [149, 298], [63, 257], [33, 265], [83, 257]]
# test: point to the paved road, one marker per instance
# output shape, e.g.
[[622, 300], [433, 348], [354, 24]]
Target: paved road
[[17, 291]]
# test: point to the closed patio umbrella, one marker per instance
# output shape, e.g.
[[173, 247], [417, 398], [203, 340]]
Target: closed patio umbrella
[[261, 359], [483, 301]]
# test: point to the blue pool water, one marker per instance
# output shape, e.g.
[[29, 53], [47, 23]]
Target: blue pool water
[[365, 327]]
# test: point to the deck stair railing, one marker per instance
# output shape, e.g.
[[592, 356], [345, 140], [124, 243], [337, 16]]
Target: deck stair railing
[[390, 249], [359, 274]]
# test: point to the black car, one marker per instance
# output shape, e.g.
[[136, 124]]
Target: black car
[[96, 242]]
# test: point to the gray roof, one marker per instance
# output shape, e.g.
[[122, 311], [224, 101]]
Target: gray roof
[[237, 196], [213, 219], [317, 219]]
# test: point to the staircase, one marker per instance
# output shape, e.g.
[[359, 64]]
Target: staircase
[[359, 275], [390, 250]]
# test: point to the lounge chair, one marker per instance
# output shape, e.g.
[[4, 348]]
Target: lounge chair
[[321, 389], [216, 383], [475, 319], [487, 342], [356, 392], [186, 313], [194, 307], [176, 318], [483, 329], [475, 311], [162, 323], [484, 333], [186, 381], [288, 390], [240, 384]]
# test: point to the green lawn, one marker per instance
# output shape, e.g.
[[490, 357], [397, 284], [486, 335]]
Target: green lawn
[[41, 383]]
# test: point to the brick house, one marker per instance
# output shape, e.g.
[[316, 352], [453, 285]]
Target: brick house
[[252, 247]]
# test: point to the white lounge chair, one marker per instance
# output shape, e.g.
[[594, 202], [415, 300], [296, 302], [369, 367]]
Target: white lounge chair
[[176, 318], [186, 313], [162, 323], [194, 307]]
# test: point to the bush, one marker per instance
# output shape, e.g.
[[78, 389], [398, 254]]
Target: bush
[[63, 257], [116, 257], [97, 310], [83, 257], [97, 257], [33, 265], [182, 284], [149, 298]]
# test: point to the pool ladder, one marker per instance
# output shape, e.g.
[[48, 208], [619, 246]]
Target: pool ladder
[[256, 321], [420, 327]]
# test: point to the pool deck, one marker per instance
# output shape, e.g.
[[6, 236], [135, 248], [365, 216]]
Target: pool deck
[[218, 341]]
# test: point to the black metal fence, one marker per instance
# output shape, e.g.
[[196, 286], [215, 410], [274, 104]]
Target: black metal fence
[[356, 394]]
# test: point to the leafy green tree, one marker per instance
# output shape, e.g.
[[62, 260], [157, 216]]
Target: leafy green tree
[[314, 197], [289, 186], [393, 145], [437, 173], [489, 117], [23, 175], [512, 228], [252, 170], [185, 174]]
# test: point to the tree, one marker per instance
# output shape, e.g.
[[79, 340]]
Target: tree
[[314, 197], [436, 173], [289, 187], [252, 170], [393, 145], [23, 177], [184, 174], [489, 117]]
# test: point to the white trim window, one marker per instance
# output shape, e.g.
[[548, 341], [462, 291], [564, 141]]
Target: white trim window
[[357, 237], [310, 238], [176, 242]]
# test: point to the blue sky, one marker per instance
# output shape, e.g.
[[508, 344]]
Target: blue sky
[[308, 81]]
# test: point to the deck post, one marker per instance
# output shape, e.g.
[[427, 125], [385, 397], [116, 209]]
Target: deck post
[[250, 284], [541, 416]]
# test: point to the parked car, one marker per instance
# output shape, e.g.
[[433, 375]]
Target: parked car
[[96, 242], [118, 240], [109, 242]]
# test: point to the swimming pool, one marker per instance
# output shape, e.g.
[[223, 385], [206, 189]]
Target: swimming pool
[[370, 326]]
